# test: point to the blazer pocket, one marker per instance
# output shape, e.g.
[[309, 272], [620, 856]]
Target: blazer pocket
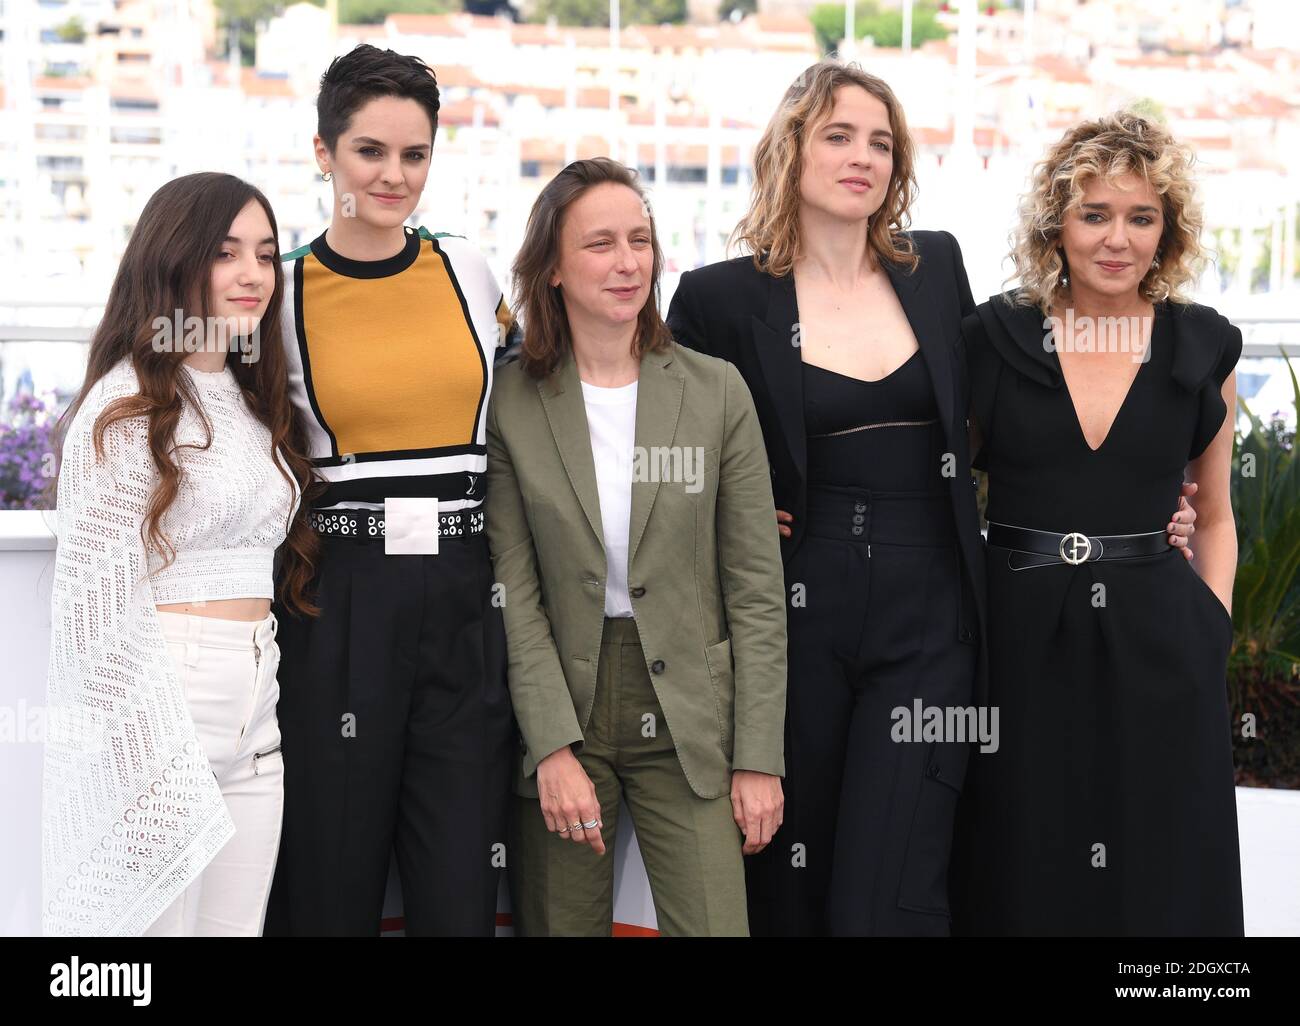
[[722, 678]]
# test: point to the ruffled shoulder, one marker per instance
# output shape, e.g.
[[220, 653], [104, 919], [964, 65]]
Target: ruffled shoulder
[[997, 336], [1207, 347], [1018, 337]]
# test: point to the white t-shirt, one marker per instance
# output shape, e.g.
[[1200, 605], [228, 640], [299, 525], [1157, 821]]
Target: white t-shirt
[[611, 420]]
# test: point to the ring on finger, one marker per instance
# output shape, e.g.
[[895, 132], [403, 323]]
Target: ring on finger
[[591, 825]]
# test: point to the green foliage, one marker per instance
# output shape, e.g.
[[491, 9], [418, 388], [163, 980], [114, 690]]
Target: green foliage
[[72, 31], [595, 13], [1149, 109], [1264, 669], [246, 15], [373, 12], [242, 17], [885, 27], [742, 8]]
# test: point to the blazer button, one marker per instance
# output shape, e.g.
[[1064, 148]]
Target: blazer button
[[657, 666], [967, 634], [933, 771], [637, 592]]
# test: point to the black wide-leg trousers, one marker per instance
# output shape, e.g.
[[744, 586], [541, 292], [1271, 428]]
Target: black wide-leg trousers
[[877, 621], [397, 737]]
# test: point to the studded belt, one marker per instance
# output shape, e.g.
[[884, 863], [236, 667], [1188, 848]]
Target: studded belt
[[365, 524]]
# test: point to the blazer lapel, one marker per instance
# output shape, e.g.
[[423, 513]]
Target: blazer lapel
[[566, 411], [782, 365], [922, 316], [658, 405]]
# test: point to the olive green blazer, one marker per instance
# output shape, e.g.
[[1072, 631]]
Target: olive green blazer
[[704, 563]]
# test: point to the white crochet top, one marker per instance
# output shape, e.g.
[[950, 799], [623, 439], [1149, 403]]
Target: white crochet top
[[230, 514], [132, 811]]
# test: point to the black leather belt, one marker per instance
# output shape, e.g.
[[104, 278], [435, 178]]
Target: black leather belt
[[1075, 548], [366, 524]]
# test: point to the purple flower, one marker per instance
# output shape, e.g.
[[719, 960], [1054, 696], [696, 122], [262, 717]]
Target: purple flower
[[26, 435]]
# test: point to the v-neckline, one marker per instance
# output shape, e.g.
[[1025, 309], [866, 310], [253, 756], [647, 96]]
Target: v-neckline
[[1119, 412]]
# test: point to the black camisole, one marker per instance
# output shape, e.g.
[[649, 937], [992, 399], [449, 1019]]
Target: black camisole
[[881, 435]]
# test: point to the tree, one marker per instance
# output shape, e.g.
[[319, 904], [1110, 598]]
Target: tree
[[373, 12], [595, 13], [244, 16], [734, 10], [884, 27], [72, 31]]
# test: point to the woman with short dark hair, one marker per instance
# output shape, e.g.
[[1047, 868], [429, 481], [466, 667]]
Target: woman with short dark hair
[[396, 718]]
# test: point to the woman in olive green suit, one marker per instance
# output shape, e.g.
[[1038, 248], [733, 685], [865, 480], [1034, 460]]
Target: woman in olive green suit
[[629, 513]]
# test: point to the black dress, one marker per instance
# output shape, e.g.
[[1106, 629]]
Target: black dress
[[1109, 806]]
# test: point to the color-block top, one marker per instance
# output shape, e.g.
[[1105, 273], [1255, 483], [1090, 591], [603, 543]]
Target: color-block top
[[390, 364]]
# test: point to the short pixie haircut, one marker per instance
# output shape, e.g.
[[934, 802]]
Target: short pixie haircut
[[1125, 143], [364, 73]]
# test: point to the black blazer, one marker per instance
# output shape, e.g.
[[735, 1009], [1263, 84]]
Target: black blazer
[[734, 311]]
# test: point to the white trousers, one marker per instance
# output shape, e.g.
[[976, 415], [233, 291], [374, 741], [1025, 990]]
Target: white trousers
[[227, 669]]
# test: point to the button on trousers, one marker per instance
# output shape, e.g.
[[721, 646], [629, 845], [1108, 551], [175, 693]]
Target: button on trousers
[[227, 670], [690, 845]]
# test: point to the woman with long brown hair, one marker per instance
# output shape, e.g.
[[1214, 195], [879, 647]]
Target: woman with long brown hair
[[180, 474]]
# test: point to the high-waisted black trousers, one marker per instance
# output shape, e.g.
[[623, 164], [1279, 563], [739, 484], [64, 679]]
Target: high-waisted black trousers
[[397, 737], [877, 622]]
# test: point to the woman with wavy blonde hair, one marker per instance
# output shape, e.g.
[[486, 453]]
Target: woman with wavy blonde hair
[[1097, 386]]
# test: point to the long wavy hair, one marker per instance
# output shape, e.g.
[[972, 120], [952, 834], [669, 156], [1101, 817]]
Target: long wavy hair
[[540, 304], [167, 263], [1110, 147], [770, 228]]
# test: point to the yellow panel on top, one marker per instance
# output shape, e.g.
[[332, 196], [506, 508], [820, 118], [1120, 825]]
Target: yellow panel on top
[[393, 363]]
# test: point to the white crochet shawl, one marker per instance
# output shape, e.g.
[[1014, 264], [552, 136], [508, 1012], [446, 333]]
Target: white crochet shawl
[[132, 810]]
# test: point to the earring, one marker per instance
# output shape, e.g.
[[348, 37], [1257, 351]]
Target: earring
[[327, 176], [1155, 264], [1064, 280]]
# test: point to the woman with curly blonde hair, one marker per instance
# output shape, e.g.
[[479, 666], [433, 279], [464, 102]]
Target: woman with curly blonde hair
[[844, 325], [1097, 386]]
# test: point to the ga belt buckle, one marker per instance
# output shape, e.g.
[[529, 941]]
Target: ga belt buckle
[[1070, 548]]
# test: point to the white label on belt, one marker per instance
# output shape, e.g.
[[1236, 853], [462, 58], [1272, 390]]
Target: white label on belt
[[410, 526]]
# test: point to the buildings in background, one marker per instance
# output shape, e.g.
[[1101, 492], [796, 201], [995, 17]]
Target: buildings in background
[[91, 122]]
